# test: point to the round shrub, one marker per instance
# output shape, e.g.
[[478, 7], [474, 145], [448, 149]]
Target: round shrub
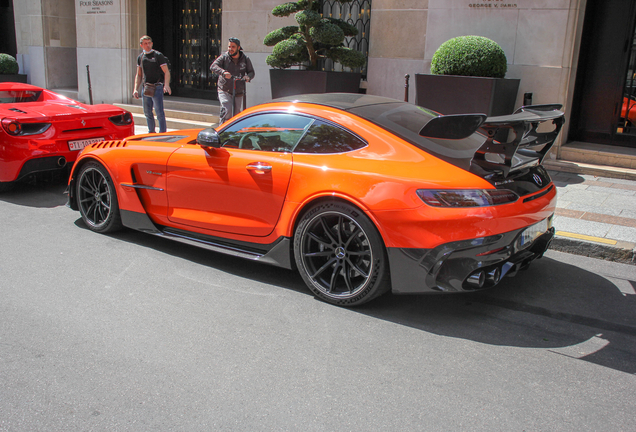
[[470, 56], [8, 65]]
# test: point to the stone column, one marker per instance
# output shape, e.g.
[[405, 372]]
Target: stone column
[[108, 34]]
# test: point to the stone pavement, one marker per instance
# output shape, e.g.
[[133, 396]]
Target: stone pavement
[[595, 216]]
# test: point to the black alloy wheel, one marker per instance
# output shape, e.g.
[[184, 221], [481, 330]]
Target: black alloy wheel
[[340, 254], [97, 199]]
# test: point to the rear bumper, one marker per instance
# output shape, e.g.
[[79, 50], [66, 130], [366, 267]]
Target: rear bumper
[[21, 156], [466, 265]]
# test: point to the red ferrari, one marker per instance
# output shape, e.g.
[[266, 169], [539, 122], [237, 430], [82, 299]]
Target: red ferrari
[[361, 194], [44, 131]]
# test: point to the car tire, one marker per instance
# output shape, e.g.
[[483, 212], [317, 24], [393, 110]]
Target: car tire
[[340, 254], [97, 199]]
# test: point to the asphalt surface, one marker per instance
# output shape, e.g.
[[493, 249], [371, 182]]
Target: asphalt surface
[[131, 332]]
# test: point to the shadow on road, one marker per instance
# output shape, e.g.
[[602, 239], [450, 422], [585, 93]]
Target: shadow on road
[[552, 305], [45, 191]]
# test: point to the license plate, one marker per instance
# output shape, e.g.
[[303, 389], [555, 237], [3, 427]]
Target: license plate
[[80, 144], [531, 233]]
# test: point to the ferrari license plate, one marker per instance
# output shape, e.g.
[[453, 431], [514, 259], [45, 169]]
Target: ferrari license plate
[[80, 144]]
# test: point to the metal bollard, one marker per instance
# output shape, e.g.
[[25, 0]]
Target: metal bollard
[[406, 87], [90, 89]]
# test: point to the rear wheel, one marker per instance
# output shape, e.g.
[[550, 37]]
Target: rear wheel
[[340, 254], [97, 199]]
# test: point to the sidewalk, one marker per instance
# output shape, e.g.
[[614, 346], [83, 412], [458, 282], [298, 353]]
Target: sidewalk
[[595, 216]]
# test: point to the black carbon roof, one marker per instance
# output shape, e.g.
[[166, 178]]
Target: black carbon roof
[[343, 101]]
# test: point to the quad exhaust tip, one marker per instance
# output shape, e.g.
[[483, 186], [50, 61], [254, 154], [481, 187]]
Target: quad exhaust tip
[[494, 276], [61, 162], [477, 279], [480, 278]]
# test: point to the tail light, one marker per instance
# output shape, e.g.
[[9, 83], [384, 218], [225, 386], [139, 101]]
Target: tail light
[[122, 119], [15, 128], [467, 198]]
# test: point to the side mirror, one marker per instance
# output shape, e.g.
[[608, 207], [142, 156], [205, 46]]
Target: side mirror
[[209, 138]]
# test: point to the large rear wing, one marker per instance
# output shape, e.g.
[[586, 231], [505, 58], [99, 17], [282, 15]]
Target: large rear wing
[[512, 141]]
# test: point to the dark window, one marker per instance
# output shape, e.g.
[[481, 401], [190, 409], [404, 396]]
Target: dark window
[[325, 138], [19, 96], [276, 132]]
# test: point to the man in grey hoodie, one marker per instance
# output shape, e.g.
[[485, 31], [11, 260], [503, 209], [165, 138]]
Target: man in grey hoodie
[[231, 66]]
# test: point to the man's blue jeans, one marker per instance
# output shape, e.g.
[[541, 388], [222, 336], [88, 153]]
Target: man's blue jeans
[[157, 102]]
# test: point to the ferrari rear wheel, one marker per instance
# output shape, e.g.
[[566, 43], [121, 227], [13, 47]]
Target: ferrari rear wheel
[[97, 199], [340, 254]]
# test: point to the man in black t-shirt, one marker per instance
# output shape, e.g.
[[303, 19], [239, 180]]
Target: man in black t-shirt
[[152, 68]]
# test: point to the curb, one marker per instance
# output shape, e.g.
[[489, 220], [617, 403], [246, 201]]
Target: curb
[[590, 169], [623, 252]]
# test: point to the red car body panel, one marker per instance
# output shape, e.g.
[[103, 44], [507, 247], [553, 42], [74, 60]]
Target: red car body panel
[[69, 121]]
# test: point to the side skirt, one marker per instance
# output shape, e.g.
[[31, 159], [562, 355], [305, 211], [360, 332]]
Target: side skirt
[[277, 253]]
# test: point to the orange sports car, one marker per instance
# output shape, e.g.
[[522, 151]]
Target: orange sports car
[[361, 194]]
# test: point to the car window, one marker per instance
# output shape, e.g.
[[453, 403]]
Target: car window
[[322, 137], [18, 96], [277, 132]]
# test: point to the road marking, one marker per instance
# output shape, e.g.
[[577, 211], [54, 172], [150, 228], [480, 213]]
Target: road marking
[[586, 237]]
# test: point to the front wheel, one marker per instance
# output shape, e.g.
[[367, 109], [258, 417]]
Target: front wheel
[[340, 254], [97, 199]]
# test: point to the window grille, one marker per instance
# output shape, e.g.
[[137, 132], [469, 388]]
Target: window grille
[[357, 13], [199, 42]]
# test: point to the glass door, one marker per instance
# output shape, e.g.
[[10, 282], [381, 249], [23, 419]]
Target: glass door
[[198, 43]]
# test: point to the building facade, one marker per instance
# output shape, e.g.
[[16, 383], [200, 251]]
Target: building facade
[[578, 53]]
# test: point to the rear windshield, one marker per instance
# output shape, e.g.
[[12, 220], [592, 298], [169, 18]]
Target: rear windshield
[[17, 96], [406, 120]]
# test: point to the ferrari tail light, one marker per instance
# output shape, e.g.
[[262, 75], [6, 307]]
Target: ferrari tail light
[[467, 198], [122, 119], [15, 128]]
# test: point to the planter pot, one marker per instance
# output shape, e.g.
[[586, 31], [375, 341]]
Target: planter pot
[[288, 82], [19, 78], [452, 94]]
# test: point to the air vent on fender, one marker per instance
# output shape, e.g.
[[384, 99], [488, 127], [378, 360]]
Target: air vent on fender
[[108, 144]]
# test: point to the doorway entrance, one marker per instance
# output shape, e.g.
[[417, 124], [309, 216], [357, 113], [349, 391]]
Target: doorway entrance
[[188, 32], [604, 104]]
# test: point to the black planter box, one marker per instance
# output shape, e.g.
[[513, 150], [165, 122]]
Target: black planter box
[[452, 94], [19, 78], [288, 82]]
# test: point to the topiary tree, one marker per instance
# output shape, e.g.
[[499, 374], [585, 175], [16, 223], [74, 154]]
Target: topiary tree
[[314, 37], [470, 56], [8, 65]]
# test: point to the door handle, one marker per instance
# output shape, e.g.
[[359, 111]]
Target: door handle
[[259, 167]]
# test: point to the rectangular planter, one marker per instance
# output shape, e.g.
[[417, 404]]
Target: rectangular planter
[[19, 78], [288, 82], [452, 94]]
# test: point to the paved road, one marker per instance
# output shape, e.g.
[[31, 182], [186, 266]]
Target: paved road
[[134, 333]]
